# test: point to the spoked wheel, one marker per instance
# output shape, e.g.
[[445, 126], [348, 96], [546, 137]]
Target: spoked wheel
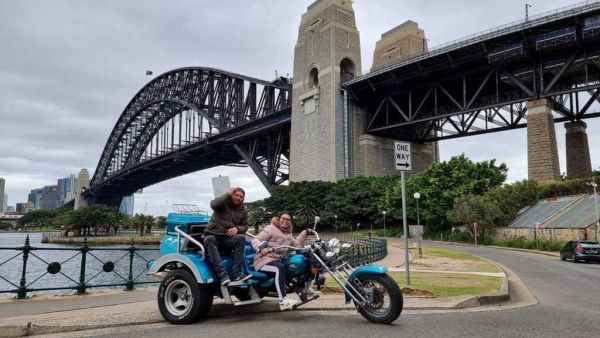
[[384, 298], [181, 300]]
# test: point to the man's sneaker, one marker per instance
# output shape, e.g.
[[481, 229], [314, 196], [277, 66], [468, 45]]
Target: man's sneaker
[[239, 280], [225, 281], [287, 304]]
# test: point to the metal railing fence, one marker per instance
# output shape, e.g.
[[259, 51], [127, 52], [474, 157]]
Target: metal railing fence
[[365, 250], [82, 267], [34, 269]]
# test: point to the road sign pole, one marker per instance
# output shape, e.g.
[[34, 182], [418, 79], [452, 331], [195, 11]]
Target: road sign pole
[[403, 161], [405, 223]]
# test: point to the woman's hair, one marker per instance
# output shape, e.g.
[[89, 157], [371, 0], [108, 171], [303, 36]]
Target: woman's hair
[[285, 213], [275, 220]]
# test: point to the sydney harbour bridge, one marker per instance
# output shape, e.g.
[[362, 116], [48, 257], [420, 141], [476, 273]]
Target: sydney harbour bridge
[[190, 119]]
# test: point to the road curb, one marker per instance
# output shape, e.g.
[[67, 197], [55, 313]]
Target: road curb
[[488, 299]]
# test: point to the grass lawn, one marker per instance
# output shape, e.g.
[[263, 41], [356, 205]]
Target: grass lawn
[[447, 284], [476, 263], [442, 284]]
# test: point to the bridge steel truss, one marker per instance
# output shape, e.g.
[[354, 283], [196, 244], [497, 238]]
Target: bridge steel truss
[[191, 119], [481, 85]]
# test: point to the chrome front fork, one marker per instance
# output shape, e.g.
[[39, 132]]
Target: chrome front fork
[[341, 274]]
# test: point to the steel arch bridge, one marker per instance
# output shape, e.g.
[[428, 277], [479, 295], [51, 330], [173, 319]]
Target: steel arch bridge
[[191, 119]]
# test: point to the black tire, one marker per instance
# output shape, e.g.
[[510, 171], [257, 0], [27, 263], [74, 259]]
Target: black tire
[[374, 311], [575, 260], [181, 300], [562, 258]]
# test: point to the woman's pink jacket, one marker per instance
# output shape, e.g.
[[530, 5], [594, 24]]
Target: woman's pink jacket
[[272, 234]]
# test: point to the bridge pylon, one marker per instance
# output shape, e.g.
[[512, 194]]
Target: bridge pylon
[[327, 53]]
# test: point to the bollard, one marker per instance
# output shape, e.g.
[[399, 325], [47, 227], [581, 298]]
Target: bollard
[[84, 249], [22, 292], [129, 285]]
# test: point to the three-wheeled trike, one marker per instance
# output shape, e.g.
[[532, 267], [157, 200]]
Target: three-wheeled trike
[[189, 283]]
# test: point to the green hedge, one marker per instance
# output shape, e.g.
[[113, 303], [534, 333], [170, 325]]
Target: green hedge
[[542, 244], [467, 237]]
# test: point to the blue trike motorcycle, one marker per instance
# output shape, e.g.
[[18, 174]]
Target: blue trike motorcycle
[[189, 283]]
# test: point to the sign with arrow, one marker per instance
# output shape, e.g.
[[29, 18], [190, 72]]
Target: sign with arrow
[[402, 156]]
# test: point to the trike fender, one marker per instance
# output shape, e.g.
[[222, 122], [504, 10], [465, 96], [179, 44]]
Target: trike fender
[[200, 268], [370, 269]]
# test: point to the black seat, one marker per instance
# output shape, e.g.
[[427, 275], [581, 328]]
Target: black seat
[[196, 231]]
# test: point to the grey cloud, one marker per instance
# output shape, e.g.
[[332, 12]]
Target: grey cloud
[[68, 69]]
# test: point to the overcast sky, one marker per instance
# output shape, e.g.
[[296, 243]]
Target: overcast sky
[[68, 68]]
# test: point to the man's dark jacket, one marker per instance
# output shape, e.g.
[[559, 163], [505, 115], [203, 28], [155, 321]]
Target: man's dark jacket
[[226, 215]]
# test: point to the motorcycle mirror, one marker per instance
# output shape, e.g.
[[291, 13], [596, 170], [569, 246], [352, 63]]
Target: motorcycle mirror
[[317, 219]]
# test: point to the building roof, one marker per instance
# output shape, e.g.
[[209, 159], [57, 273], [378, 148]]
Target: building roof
[[573, 212]]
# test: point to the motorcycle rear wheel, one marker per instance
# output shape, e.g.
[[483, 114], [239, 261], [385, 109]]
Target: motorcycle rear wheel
[[384, 298], [181, 300]]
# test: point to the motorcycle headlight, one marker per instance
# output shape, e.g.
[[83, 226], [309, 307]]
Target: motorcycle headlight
[[334, 245], [346, 247]]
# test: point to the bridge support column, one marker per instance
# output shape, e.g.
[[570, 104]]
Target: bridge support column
[[376, 155], [83, 183], [542, 153], [579, 164]]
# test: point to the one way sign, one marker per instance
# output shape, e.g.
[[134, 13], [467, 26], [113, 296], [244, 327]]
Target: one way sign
[[402, 156]]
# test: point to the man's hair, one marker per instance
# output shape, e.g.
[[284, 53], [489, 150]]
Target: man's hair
[[240, 190]]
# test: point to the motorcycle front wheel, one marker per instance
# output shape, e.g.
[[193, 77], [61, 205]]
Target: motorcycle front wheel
[[384, 298]]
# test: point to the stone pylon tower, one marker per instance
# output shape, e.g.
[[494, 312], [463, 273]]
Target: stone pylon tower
[[375, 154], [327, 52]]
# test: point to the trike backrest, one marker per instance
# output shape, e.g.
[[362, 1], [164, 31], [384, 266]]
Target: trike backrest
[[188, 223]]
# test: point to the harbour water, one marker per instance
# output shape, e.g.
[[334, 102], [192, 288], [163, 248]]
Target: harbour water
[[37, 273]]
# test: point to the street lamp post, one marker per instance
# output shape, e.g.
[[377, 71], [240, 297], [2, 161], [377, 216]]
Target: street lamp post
[[335, 224], [384, 213], [527, 12], [417, 196]]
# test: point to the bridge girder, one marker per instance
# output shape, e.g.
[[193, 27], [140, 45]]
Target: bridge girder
[[190, 111], [479, 85]]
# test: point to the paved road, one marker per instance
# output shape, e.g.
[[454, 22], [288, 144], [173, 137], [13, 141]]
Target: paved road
[[568, 296]]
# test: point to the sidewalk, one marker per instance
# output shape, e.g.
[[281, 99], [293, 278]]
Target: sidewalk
[[119, 308]]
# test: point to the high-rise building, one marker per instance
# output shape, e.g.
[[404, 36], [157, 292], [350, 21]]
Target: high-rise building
[[66, 188], [35, 197], [50, 197], [4, 205], [127, 205], [2, 202], [23, 208], [10, 209]]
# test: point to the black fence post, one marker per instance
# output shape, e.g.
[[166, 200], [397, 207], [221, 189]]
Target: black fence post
[[129, 285], [84, 249], [22, 292]]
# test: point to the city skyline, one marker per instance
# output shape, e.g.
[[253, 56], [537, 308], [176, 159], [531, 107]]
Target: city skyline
[[73, 67]]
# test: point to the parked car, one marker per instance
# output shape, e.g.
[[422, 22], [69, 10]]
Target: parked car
[[581, 251]]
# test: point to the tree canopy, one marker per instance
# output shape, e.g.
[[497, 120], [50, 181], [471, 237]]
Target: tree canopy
[[441, 184]]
